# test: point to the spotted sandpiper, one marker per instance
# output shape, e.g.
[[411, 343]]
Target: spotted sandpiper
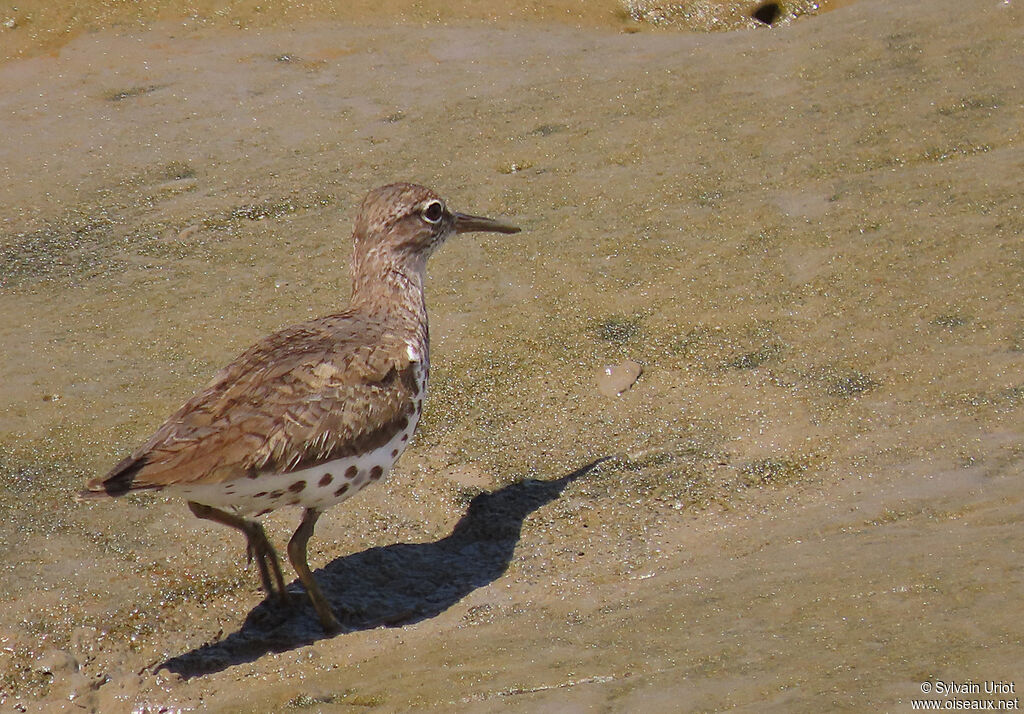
[[314, 413]]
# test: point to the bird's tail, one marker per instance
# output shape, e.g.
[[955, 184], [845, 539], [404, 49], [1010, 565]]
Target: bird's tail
[[119, 481], [90, 495]]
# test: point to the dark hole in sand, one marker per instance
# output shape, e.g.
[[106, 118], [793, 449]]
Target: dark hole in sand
[[768, 13]]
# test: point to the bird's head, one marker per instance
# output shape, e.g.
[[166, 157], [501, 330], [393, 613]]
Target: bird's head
[[403, 224]]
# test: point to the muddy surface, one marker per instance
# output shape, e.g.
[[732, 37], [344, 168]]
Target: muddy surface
[[31, 27], [809, 237]]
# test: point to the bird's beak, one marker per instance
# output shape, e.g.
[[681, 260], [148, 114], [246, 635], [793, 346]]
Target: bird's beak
[[467, 224]]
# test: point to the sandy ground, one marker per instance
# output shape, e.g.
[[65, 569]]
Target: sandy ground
[[31, 27], [810, 237]]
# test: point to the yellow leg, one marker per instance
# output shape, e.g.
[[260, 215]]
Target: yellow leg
[[266, 557], [297, 554]]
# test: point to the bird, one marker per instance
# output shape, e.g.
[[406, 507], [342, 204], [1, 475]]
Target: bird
[[315, 412]]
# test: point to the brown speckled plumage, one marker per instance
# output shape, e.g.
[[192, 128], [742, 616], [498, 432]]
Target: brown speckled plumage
[[333, 397], [311, 393]]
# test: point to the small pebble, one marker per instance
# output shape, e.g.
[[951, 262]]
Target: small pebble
[[613, 380]]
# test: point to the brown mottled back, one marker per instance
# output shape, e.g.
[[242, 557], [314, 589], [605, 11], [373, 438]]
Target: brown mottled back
[[313, 392]]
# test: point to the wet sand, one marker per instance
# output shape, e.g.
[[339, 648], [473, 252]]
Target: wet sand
[[33, 27], [809, 237]]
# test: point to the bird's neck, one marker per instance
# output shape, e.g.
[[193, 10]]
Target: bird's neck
[[393, 292]]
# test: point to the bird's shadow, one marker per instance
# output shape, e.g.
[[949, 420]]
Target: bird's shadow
[[391, 585]]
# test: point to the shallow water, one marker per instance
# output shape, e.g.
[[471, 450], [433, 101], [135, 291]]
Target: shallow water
[[809, 238]]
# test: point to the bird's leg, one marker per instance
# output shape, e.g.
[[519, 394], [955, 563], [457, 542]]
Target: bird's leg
[[258, 545], [267, 562], [297, 554]]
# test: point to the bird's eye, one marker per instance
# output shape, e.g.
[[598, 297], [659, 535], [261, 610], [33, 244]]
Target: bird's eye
[[433, 212]]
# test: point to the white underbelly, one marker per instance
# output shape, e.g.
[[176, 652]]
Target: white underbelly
[[316, 487]]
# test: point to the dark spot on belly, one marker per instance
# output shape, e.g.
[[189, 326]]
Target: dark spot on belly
[[350, 472], [341, 490], [276, 494], [325, 479], [261, 494], [394, 453], [297, 486], [376, 472]]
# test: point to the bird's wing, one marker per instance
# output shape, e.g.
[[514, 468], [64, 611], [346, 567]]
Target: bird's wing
[[304, 395]]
